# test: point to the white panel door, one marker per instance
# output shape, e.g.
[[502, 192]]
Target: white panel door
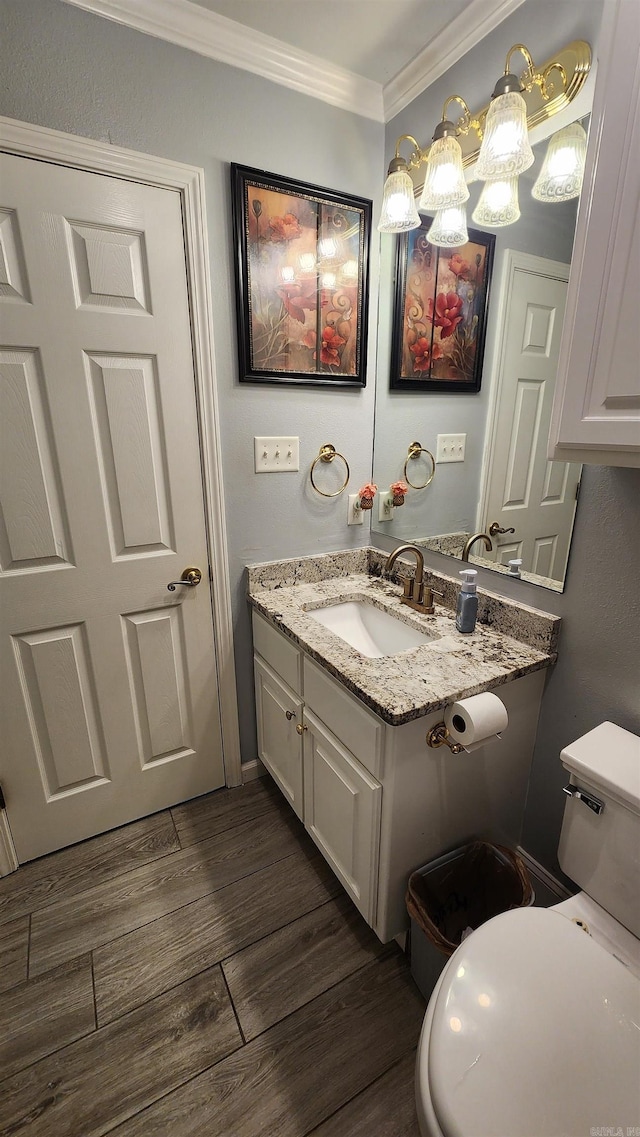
[[526, 492], [109, 686]]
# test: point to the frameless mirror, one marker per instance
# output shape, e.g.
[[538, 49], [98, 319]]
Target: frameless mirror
[[492, 476]]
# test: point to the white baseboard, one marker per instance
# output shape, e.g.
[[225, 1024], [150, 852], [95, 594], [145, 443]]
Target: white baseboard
[[252, 770], [543, 875]]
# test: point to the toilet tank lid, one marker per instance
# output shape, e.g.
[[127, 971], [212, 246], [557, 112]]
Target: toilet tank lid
[[609, 757]]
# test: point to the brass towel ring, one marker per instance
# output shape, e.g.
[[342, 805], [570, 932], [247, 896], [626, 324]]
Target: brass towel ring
[[415, 450], [326, 454]]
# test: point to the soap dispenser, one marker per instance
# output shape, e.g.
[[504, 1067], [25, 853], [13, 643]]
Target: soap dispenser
[[467, 606]]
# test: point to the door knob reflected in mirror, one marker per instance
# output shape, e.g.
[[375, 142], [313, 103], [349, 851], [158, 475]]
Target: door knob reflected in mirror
[[495, 527], [191, 576]]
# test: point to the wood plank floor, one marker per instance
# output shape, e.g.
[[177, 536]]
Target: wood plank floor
[[200, 972]]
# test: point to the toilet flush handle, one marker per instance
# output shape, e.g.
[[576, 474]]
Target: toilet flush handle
[[594, 803]]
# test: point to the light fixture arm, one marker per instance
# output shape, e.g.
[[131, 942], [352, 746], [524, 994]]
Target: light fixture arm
[[415, 158], [531, 76], [466, 122]]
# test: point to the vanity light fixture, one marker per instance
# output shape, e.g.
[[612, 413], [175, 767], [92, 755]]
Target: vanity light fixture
[[496, 136], [560, 178], [399, 213], [498, 204], [444, 181], [449, 228]]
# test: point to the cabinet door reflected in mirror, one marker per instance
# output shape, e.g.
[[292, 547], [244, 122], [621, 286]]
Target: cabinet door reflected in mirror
[[502, 485]]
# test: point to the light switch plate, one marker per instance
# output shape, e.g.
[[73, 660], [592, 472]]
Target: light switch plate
[[276, 454], [450, 447]]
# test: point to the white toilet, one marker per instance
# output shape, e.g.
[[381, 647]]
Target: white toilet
[[533, 1029]]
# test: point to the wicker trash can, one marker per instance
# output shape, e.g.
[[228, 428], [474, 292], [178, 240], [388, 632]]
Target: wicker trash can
[[449, 897]]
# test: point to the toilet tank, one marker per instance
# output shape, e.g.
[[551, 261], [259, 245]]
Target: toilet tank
[[600, 851]]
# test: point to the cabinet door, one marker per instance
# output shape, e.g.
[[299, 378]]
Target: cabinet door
[[596, 416], [278, 712], [342, 813]]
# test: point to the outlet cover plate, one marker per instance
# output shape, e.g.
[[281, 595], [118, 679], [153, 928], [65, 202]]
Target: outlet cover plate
[[276, 454], [355, 515], [385, 506], [450, 447]]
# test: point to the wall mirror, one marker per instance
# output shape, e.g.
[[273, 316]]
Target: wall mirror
[[504, 481]]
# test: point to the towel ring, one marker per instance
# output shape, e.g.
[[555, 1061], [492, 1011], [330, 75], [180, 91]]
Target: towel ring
[[326, 454], [415, 450]]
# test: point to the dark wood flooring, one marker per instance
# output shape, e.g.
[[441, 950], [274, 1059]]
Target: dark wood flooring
[[200, 973]]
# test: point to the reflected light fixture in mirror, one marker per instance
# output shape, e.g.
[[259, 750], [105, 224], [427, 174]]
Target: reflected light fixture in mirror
[[449, 228], [560, 178], [458, 502], [498, 204]]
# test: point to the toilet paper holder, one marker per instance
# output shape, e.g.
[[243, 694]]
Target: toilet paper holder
[[439, 736]]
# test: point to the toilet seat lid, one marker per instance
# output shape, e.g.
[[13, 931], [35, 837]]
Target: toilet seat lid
[[535, 1033]]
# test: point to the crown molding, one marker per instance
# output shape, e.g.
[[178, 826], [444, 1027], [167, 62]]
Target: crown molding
[[217, 37], [463, 33]]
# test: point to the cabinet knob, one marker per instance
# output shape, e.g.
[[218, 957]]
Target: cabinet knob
[[290, 715], [301, 728]]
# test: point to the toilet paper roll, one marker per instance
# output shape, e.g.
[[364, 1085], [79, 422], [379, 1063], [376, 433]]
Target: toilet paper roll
[[474, 721]]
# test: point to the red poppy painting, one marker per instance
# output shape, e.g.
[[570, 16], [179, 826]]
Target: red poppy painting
[[301, 278], [440, 309]]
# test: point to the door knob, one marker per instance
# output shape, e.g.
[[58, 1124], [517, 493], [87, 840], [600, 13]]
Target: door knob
[[301, 729], [496, 528], [190, 578]]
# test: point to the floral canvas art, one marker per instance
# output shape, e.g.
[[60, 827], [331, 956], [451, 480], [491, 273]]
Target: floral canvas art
[[301, 276], [440, 309]]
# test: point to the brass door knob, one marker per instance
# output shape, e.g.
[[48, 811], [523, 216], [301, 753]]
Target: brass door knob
[[301, 728], [191, 576]]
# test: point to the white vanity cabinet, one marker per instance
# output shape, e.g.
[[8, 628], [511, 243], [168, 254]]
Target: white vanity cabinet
[[375, 799], [596, 414], [342, 806]]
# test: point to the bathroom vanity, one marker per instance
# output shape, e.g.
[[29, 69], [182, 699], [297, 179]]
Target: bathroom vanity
[[344, 734]]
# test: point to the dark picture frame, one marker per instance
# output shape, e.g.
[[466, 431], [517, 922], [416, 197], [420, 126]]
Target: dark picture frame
[[440, 312], [302, 281]]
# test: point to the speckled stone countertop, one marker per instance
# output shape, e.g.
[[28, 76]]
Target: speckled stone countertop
[[510, 639]]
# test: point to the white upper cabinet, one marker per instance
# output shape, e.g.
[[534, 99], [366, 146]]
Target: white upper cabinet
[[596, 414]]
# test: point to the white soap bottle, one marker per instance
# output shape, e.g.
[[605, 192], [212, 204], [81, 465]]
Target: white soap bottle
[[467, 605]]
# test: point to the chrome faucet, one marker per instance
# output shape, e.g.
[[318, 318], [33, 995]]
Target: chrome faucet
[[472, 540], [416, 594]]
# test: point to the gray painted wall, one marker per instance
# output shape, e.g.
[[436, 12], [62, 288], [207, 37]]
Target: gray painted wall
[[68, 70]]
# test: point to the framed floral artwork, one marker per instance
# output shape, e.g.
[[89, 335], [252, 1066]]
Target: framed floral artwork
[[440, 308], [302, 259]]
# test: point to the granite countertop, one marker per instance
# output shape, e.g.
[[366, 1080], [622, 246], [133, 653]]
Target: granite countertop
[[510, 640]]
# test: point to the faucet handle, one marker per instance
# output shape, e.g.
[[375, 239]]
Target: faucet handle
[[427, 599]]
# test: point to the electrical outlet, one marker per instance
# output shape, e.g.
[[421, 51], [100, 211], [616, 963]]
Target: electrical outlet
[[276, 454], [450, 447], [355, 515], [385, 506]]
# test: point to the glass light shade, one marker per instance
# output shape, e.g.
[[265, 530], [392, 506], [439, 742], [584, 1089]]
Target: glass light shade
[[498, 204], [444, 183], [399, 213], [449, 229], [562, 171], [505, 150]]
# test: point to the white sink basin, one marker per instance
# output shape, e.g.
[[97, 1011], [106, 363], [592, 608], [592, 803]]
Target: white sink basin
[[370, 630]]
